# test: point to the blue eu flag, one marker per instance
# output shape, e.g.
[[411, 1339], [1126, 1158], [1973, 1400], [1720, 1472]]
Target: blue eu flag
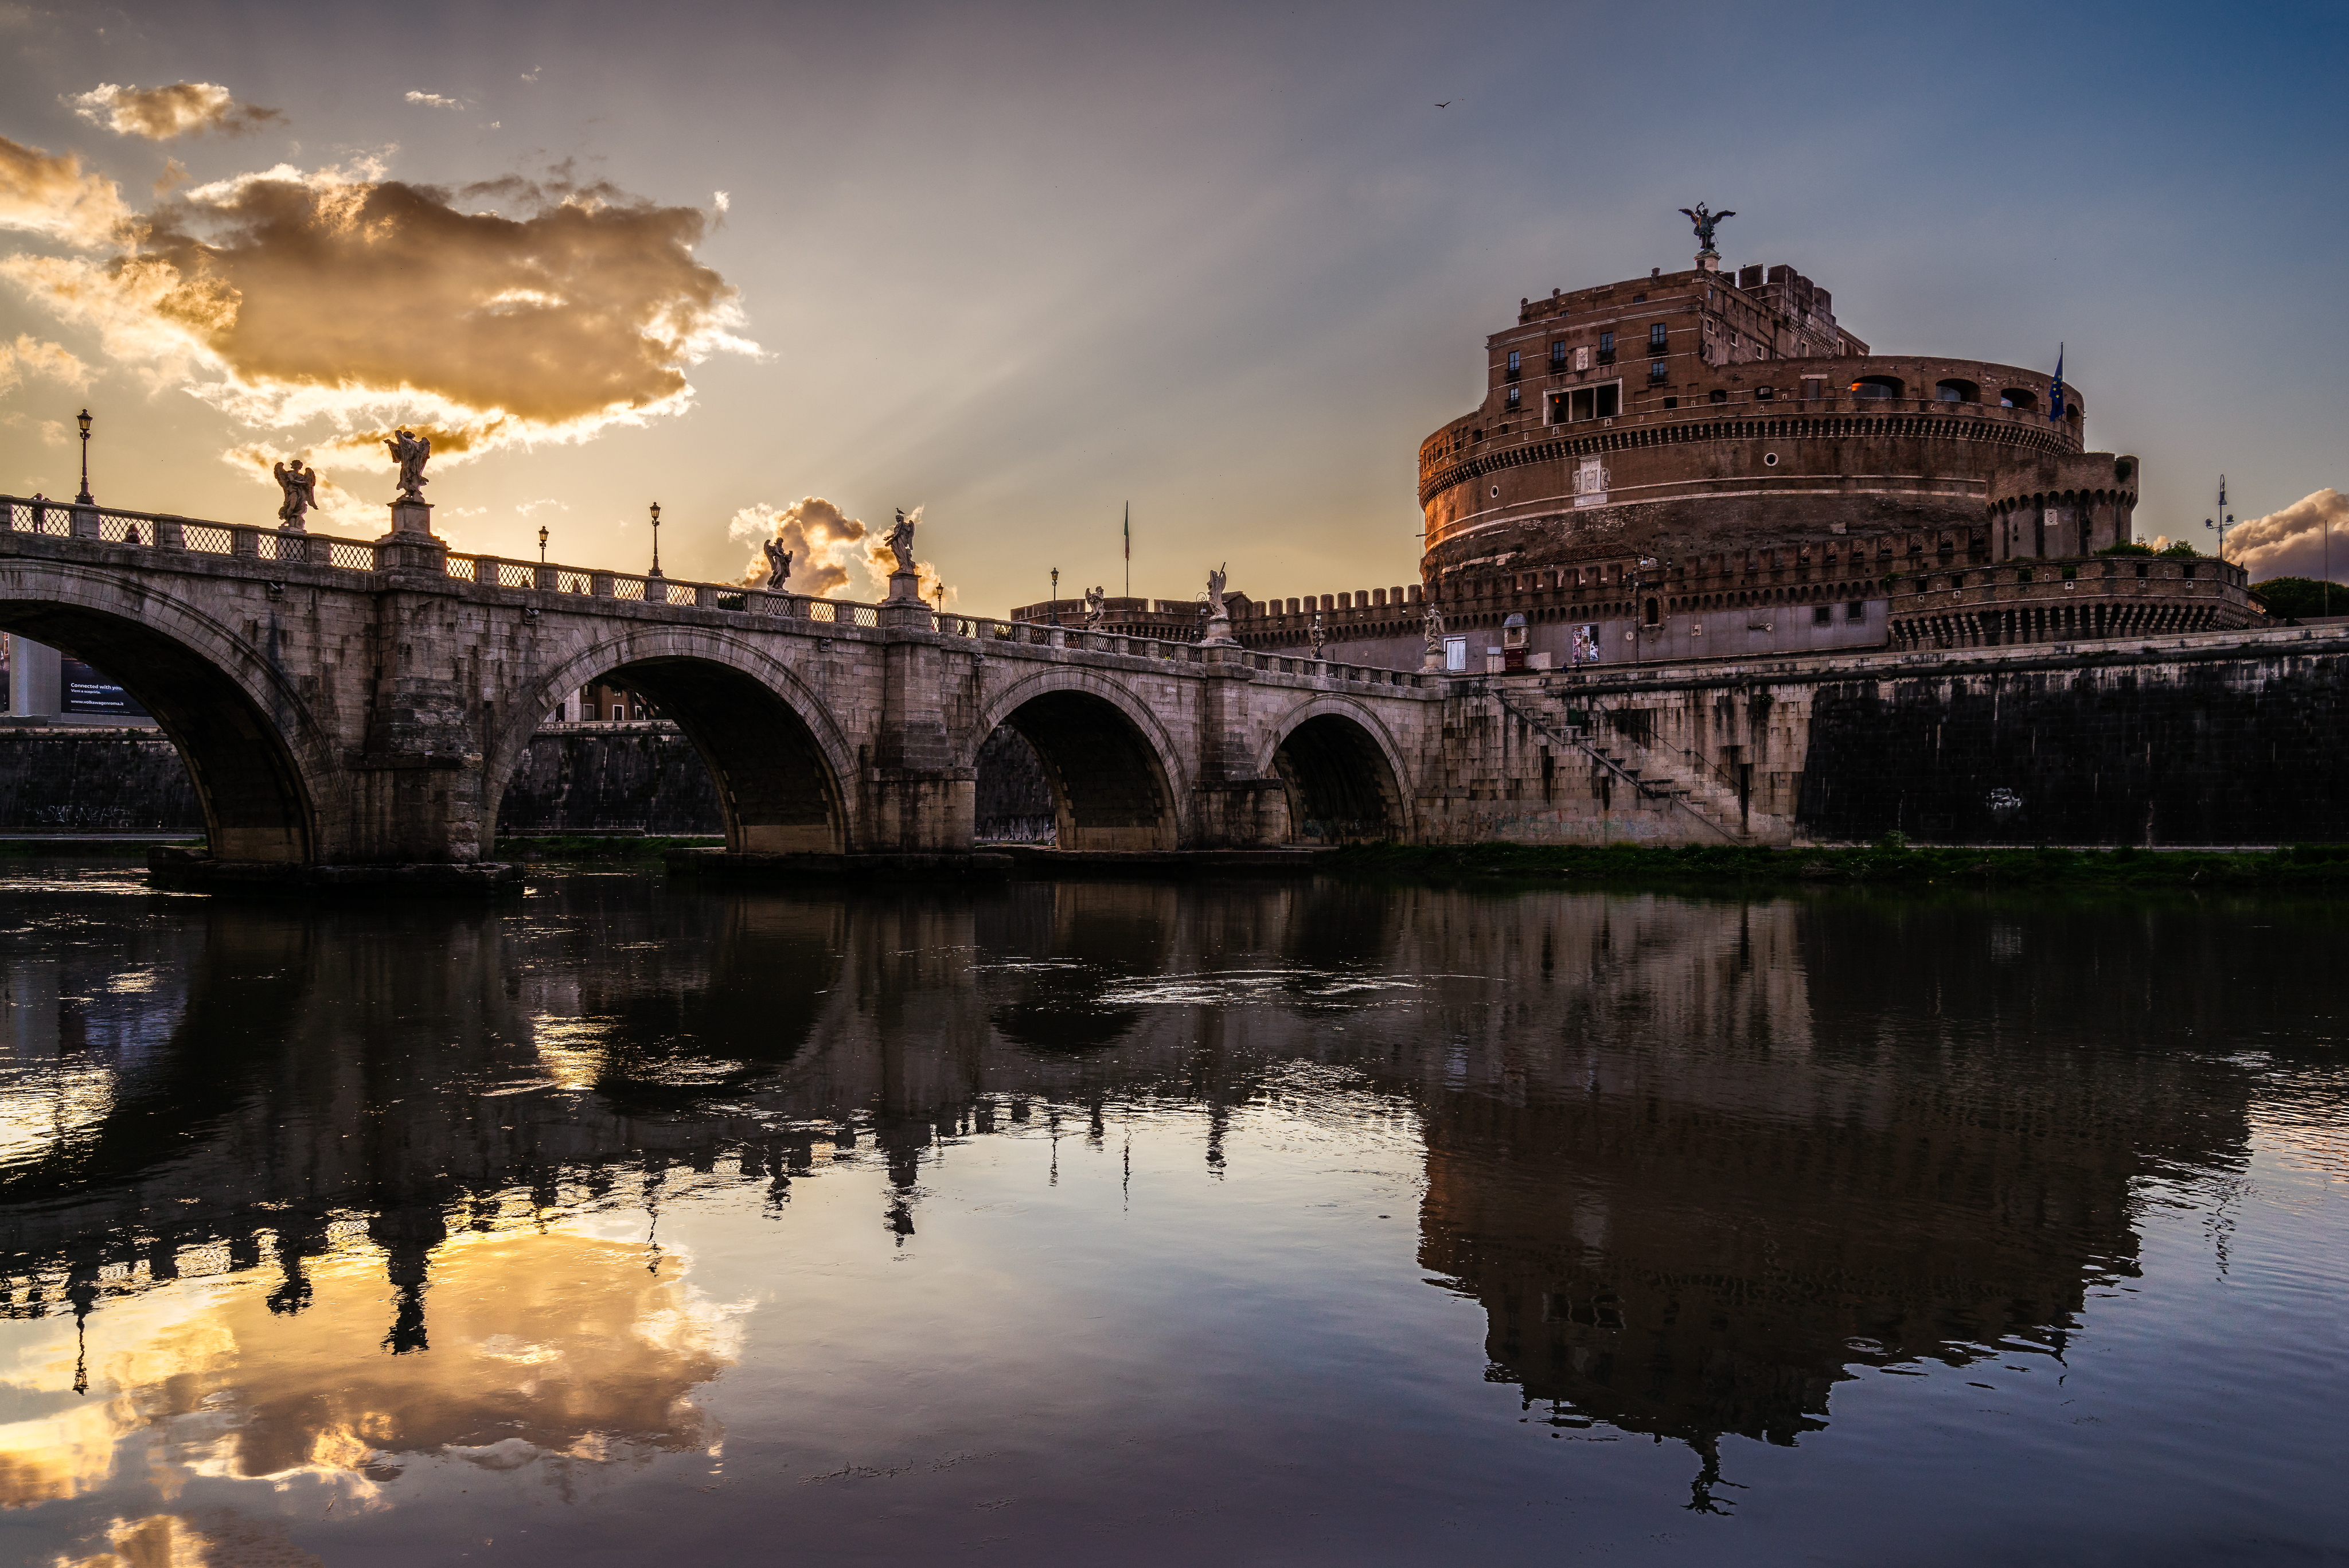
[[2056, 389]]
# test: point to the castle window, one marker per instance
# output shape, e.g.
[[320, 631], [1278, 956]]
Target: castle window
[[1814, 388], [1638, 300], [1655, 371], [1513, 364], [1876, 387], [1656, 332], [1607, 348], [1823, 615], [2017, 398], [1763, 394], [1672, 402], [1957, 391], [1720, 395], [1513, 398], [1856, 611], [1558, 355]]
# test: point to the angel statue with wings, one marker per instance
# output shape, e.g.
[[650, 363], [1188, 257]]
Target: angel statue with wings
[[1215, 580], [301, 487], [1096, 603], [1434, 630], [1704, 223], [779, 565], [901, 541], [410, 450]]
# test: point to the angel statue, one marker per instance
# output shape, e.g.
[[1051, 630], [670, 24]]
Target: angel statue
[[1215, 580], [301, 487], [1433, 628], [1704, 223], [779, 565], [1096, 603], [901, 541], [410, 450]]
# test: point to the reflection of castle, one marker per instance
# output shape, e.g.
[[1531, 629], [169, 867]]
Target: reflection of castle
[[1693, 1160]]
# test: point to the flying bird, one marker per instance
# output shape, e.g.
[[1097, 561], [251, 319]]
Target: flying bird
[[1447, 103]]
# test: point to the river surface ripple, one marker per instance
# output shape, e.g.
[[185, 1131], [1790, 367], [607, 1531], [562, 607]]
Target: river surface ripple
[[1250, 1223]]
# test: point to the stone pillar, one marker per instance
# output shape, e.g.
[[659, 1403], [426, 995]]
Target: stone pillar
[[412, 546], [1236, 808], [35, 684], [85, 522], [920, 802]]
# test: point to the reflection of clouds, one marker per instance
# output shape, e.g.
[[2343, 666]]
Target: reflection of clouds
[[201, 1541], [540, 1343]]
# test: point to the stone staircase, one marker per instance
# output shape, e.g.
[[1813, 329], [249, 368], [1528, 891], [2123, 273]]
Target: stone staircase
[[1685, 783]]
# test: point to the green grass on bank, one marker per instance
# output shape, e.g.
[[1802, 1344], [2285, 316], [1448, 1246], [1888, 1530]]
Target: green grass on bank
[[1890, 863]]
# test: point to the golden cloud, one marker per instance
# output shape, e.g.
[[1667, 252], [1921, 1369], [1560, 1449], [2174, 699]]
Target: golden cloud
[[30, 356], [52, 197], [159, 114], [823, 542], [2290, 543], [286, 296]]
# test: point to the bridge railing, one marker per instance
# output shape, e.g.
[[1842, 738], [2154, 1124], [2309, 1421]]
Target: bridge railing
[[162, 531]]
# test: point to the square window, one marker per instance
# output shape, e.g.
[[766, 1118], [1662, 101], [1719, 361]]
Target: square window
[[1607, 343], [1513, 397], [1558, 353], [1672, 402], [1856, 611], [1655, 371], [1513, 359], [1822, 615], [1720, 395], [1656, 333]]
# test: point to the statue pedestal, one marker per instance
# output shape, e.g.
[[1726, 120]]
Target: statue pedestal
[[1219, 633], [1432, 662], [412, 546], [904, 606]]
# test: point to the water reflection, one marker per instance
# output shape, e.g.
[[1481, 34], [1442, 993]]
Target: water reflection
[[312, 1191]]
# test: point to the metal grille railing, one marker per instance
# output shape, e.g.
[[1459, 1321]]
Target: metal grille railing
[[627, 587], [459, 567], [208, 538]]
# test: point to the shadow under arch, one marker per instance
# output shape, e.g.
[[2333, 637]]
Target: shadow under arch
[[235, 720], [1342, 774], [1110, 765], [776, 758]]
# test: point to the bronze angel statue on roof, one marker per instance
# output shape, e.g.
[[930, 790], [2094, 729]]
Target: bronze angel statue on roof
[[410, 450], [1704, 223]]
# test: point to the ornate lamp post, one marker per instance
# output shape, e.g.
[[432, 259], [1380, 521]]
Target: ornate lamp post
[[1056, 595], [656, 571], [542, 544], [83, 420]]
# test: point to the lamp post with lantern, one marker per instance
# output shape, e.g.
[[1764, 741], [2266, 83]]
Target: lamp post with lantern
[[542, 544], [84, 498], [656, 571]]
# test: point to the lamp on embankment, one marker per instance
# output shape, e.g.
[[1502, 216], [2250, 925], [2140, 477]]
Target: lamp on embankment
[[656, 571], [83, 420]]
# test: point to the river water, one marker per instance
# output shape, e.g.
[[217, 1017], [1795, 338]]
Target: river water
[[1253, 1223]]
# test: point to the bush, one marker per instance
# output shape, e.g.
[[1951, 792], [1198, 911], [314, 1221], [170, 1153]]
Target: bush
[[2126, 547], [2295, 598], [2178, 548]]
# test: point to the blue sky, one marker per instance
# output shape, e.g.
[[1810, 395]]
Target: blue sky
[[1022, 265]]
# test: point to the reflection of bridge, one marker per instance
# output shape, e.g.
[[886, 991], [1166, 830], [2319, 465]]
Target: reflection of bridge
[[349, 702]]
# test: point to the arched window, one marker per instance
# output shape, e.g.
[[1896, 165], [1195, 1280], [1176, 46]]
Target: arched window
[[2018, 398], [1877, 386], [1957, 391], [1655, 612]]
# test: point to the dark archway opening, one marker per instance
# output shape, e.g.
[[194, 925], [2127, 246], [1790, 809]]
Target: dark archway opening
[[250, 791], [1014, 802], [1109, 791], [1341, 789], [717, 751]]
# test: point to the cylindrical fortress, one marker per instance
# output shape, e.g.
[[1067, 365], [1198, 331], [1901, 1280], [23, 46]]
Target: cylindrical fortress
[[1683, 416]]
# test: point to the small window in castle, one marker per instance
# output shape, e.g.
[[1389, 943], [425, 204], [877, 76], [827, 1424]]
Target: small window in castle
[[2017, 398], [1654, 612], [1823, 615], [1558, 355], [1957, 392], [1513, 361], [1672, 402], [1876, 387], [619, 712], [1655, 371], [1656, 333], [1513, 398], [1720, 395], [1856, 611], [1607, 346], [1638, 300], [1813, 389], [1763, 394], [1607, 401], [2141, 570]]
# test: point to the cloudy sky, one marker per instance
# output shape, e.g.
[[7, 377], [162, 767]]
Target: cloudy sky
[[1022, 265]]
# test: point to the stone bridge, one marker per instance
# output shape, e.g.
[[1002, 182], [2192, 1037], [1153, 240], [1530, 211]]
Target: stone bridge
[[345, 702]]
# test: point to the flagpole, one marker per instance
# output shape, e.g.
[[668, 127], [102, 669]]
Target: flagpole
[[1129, 549]]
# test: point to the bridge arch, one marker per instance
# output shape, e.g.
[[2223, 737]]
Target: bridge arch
[[258, 757], [1343, 772], [785, 773], [1116, 777]]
